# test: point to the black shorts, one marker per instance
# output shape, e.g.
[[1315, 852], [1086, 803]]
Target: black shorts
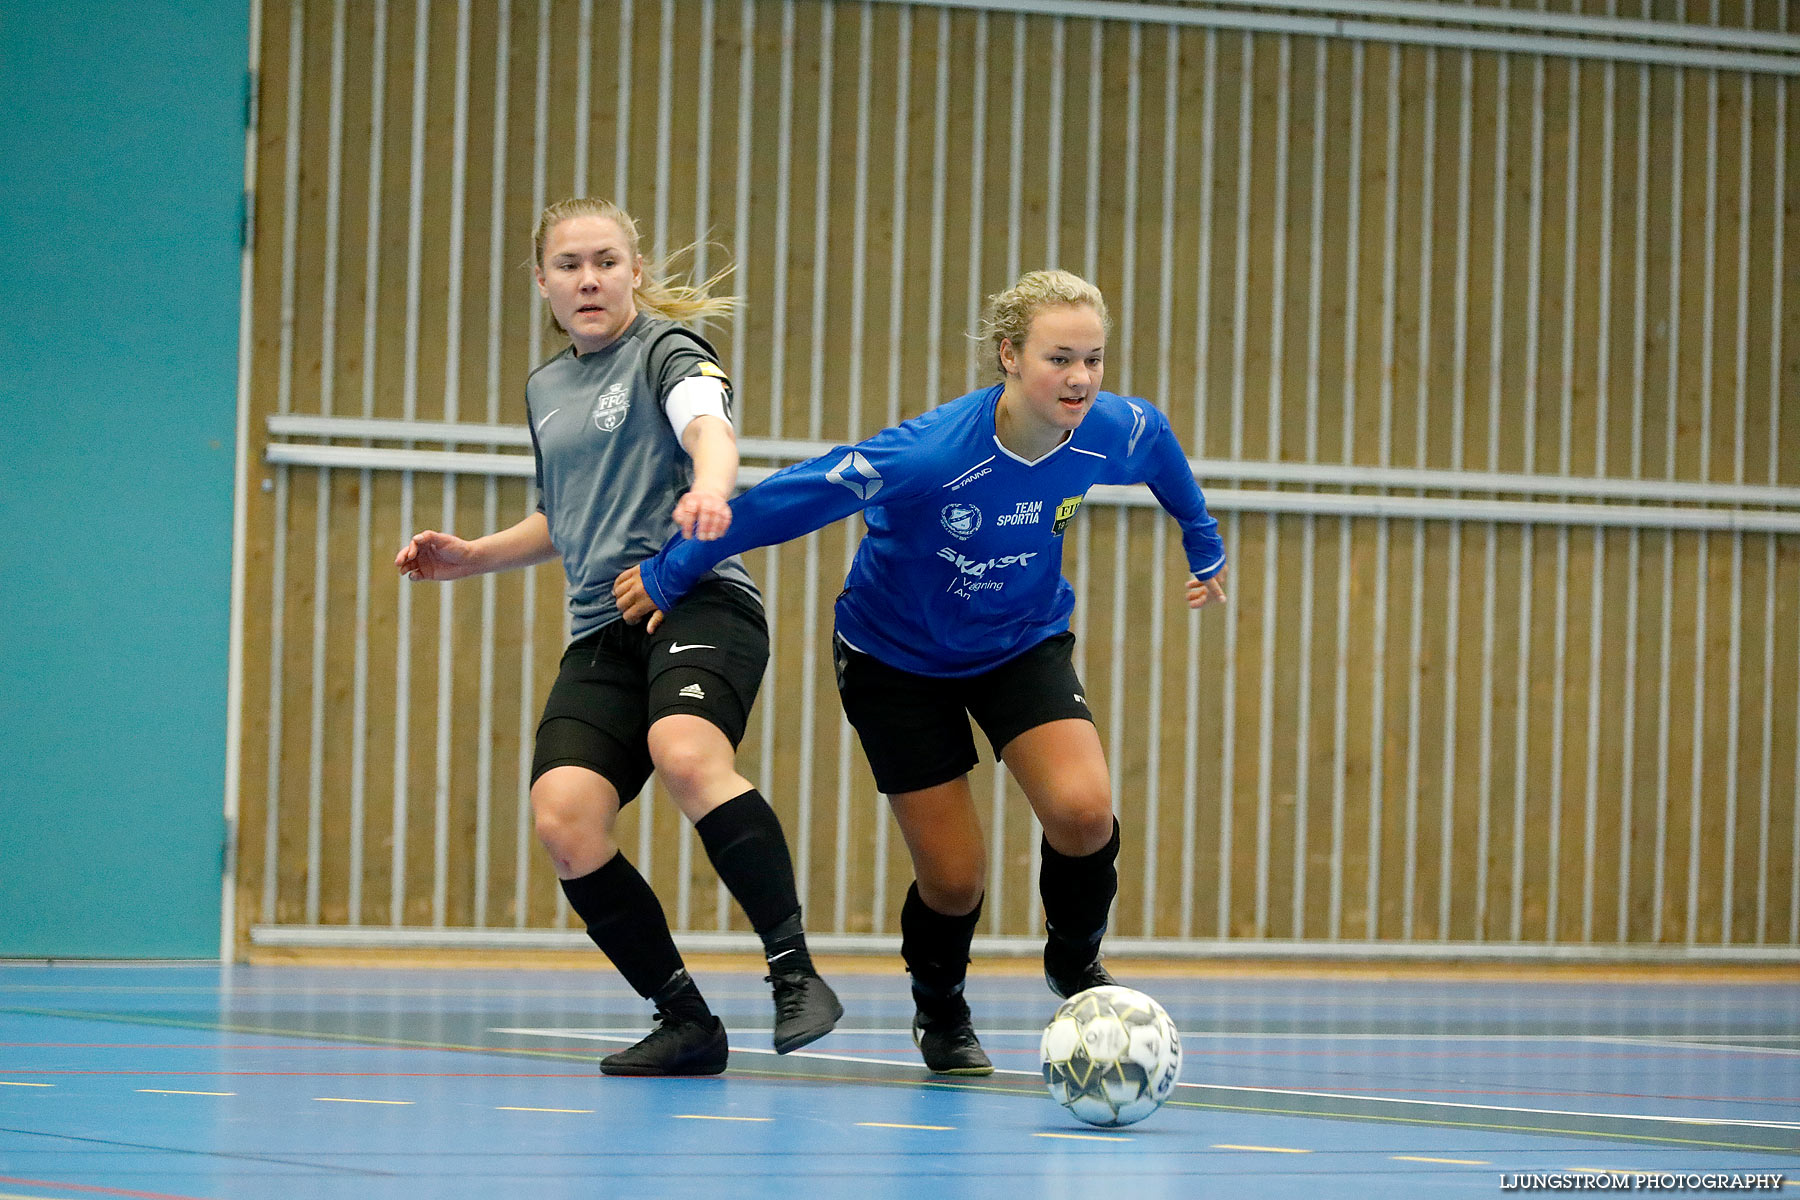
[[706, 658], [915, 728]]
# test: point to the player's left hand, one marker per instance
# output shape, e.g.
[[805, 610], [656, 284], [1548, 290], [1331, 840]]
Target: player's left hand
[[633, 601], [702, 515], [1199, 595]]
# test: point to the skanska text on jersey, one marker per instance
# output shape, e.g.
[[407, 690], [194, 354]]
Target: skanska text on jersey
[[970, 573]]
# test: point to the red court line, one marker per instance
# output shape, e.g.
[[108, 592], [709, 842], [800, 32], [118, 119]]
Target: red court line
[[183, 1046], [333, 1074], [358, 1047], [88, 1187], [1586, 1053], [1408, 1091], [1389, 1091]]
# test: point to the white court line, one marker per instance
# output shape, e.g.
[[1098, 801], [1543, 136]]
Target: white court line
[[1719, 1037], [596, 1032], [1688, 1042], [1507, 1108], [589, 1035], [1724, 1048]]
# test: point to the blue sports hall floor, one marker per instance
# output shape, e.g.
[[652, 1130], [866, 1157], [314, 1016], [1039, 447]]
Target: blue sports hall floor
[[401, 1081]]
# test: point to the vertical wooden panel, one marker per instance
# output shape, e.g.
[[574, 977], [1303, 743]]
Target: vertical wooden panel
[[1373, 301]]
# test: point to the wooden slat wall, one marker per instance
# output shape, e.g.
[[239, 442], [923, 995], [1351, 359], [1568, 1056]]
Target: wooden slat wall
[[1571, 359]]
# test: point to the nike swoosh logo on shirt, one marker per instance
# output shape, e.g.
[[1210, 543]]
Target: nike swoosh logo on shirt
[[677, 647], [546, 419]]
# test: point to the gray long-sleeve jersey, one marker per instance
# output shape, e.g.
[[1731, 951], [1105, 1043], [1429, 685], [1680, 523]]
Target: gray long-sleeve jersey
[[609, 468]]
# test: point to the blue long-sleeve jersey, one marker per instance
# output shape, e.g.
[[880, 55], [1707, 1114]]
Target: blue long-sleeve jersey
[[961, 568]]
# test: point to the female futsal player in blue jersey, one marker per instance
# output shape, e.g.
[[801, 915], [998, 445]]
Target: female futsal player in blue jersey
[[631, 430], [956, 604]]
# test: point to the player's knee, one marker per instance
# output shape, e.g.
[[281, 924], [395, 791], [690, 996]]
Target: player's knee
[[1081, 827], [553, 822], [566, 824], [689, 765], [953, 893]]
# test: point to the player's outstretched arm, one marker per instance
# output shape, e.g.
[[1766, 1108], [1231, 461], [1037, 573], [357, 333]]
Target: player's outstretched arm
[[444, 556], [1160, 462], [704, 510], [788, 504]]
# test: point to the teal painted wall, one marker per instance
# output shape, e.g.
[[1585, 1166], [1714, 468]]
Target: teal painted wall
[[122, 139]]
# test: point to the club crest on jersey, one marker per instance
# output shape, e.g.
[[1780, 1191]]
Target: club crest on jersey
[[611, 407], [856, 473], [1064, 512], [962, 520]]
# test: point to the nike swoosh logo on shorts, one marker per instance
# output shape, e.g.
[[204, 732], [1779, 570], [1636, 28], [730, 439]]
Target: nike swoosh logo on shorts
[[677, 647]]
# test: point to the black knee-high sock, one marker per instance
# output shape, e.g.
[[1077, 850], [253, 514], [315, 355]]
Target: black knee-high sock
[[743, 839], [935, 948], [626, 920], [1077, 894]]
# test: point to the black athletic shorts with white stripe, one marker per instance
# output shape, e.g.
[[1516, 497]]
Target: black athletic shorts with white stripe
[[706, 658], [915, 728]]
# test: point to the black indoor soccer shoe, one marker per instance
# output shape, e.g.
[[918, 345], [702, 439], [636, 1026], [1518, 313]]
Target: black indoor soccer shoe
[[673, 1047], [1066, 981], [806, 1009], [949, 1045]]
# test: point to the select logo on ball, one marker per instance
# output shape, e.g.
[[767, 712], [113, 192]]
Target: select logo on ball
[[1111, 1056]]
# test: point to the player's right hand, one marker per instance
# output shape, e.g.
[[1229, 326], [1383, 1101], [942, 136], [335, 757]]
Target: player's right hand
[[434, 555], [634, 599], [1199, 595]]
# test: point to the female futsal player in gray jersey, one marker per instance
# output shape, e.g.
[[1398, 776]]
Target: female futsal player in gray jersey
[[632, 434]]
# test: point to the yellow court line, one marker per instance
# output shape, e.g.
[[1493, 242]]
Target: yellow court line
[[710, 1117], [1083, 1137], [1460, 1162], [180, 1092], [1264, 1149], [518, 1108], [22, 1196], [10, 1083], [352, 1100], [891, 1125], [928, 1084]]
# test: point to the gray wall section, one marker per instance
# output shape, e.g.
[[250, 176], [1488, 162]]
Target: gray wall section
[[121, 127]]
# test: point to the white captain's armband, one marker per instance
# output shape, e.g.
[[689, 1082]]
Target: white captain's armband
[[695, 396]]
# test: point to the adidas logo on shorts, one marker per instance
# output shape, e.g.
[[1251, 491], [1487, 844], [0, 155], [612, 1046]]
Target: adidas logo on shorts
[[693, 691]]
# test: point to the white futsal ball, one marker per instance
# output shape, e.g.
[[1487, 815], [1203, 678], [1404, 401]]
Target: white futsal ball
[[1111, 1055]]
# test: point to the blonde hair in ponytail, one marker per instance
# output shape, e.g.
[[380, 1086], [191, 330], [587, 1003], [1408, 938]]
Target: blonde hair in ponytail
[[687, 303], [1008, 314]]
